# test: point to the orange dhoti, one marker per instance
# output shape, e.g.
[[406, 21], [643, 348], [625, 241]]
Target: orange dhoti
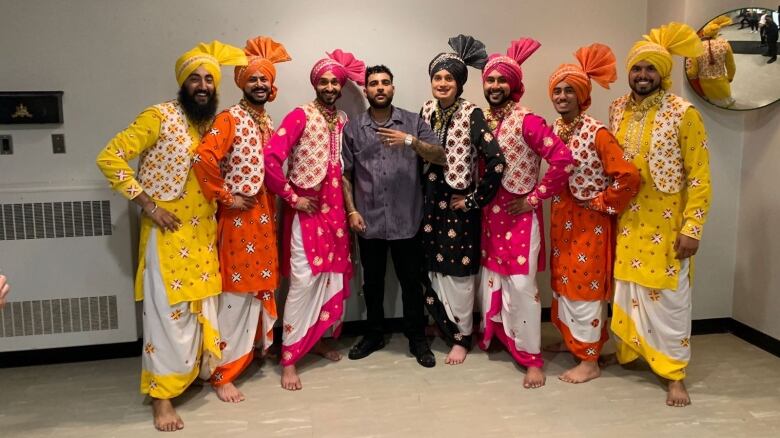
[[249, 265], [581, 265]]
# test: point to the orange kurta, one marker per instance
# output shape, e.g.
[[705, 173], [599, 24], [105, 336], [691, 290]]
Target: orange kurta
[[248, 254], [582, 233]]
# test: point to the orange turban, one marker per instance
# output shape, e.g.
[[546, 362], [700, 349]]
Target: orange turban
[[597, 62], [261, 53]]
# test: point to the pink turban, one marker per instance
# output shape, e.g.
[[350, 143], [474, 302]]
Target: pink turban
[[343, 65], [509, 65]]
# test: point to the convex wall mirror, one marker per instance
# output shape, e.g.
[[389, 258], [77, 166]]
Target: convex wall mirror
[[738, 69]]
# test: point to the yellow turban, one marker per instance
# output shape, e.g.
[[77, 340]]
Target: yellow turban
[[713, 27], [211, 56], [659, 46]]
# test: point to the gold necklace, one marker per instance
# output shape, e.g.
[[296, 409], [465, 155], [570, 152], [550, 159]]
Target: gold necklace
[[636, 125], [640, 109], [495, 115], [331, 115], [260, 117], [565, 130], [443, 117]]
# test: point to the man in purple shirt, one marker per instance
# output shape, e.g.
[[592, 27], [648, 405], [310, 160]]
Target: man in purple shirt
[[384, 150]]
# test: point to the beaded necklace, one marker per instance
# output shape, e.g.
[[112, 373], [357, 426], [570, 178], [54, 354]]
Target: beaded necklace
[[260, 117], [495, 115], [330, 114], [565, 130], [443, 117]]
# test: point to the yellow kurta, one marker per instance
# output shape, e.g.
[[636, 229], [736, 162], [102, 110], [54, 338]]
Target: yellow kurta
[[188, 256], [188, 267], [648, 228], [715, 79]]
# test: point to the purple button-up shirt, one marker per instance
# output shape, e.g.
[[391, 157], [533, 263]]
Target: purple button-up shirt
[[386, 179]]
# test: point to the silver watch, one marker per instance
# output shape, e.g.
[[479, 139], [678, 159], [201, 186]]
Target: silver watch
[[408, 140]]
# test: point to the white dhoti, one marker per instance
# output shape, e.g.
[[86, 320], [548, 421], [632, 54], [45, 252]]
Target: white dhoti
[[174, 335], [654, 324], [239, 322], [457, 296], [314, 302], [512, 310]]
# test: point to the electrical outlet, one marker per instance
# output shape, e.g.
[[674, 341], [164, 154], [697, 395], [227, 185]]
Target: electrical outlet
[[58, 143], [6, 145]]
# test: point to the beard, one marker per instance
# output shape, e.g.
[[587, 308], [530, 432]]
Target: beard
[[501, 102], [380, 105], [645, 90], [328, 99], [198, 113], [254, 101]]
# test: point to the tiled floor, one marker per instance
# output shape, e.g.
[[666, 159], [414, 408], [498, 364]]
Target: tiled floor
[[735, 388]]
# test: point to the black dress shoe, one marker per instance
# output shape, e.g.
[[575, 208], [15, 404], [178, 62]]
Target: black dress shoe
[[366, 346], [771, 60], [422, 352]]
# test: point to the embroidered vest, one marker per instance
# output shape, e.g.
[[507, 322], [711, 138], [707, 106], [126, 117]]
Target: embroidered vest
[[163, 168], [309, 160], [522, 162], [588, 178], [665, 157], [461, 155], [716, 70], [243, 165]]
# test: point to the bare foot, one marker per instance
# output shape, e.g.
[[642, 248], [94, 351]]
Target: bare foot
[[290, 379], [457, 355], [677, 395], [534, 378], [586, 370], [606, 360], [165, 417], [558, 347], [229, 393], [323, 350]]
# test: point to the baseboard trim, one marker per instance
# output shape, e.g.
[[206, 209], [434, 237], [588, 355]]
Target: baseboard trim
[[48, 356], [350, 328], [712, 326], [755, 337]]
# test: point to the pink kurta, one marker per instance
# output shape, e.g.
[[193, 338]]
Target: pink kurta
[[511, 306], [325, 233], [506, 237]]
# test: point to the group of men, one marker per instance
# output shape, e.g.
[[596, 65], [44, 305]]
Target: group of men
[[452, 192]]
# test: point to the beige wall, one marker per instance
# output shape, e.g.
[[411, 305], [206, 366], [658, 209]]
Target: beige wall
[[757, 279], [112, 58]]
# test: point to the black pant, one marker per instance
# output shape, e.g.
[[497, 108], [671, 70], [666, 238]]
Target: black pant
[[772, 49], [408, 264]]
